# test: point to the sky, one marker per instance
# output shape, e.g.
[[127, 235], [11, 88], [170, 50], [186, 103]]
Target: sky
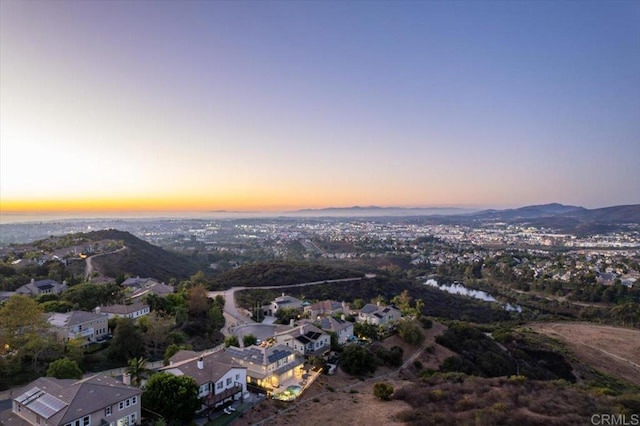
[[279, 105]]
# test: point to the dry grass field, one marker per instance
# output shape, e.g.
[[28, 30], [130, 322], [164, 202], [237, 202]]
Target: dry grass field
[[613, 350], [342, 399]]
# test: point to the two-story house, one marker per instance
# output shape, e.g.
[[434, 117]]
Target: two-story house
[[133, 311], [268, 367], [282, 302], [342, 328], [306, 339], [325, 308], [97, 400], [151, 287], [379, 315], [36, 288], [218, 376], [88, 326], [137, 283]]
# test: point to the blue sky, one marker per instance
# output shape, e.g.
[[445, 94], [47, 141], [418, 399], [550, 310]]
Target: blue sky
[[279, 105]]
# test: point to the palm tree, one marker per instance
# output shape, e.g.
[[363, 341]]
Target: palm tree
[[136, 368]]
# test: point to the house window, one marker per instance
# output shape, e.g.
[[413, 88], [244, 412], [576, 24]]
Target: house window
[[134, 400], [107, 411], [219, 385], [85, 421], [237, 377], [125, 421], [127, 402], [121, 405], [228, 381]]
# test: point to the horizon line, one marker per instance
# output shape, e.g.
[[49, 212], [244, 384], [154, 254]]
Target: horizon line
[[18, 217]]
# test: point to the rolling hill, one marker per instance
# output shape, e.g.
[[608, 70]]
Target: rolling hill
[[140, 258], [567, 219], [614, 214]]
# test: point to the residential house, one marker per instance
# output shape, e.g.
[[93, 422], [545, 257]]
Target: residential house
[[36, 288], [219, 377], [138, 283], [306, 339], [606, 278], [282, 302], [342, 328], [152, 287], [88, 326], [133, 310], [268, 366], [97, 400], [325, 308], [378, 315], [6, 295]]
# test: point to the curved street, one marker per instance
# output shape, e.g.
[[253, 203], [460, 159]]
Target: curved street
[[233, 317]]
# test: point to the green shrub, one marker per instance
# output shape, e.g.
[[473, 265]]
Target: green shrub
[[383, 391], [518, 380], [426, 322]]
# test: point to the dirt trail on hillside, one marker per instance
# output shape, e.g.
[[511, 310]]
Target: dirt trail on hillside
[[89, 262], [613, 350]]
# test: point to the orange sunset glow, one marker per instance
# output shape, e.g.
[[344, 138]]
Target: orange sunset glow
[[290, 105]]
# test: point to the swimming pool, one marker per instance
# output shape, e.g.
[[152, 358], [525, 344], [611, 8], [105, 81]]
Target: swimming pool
[[289, 394]]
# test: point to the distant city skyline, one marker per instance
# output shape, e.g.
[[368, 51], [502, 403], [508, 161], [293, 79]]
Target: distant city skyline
[[111, 107]]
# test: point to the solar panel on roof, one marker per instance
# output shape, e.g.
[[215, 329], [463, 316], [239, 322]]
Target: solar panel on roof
[[29, 395], [41, 402], [277, 355], [302, 340], [46, 406]]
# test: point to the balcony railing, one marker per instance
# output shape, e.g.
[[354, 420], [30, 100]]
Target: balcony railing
[[83, 333], [213, 399]]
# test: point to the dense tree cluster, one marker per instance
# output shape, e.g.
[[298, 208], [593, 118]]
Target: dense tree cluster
[[357, 360], [26, 342], [480, 355], [279, 273], [410, 331], [64, 368], [175, 398]]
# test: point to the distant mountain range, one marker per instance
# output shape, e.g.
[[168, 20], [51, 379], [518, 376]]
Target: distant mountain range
[[562, 218], [359, 211], [617, 214]]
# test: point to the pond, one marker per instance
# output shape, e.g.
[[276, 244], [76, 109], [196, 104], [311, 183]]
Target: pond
[[457, 288]]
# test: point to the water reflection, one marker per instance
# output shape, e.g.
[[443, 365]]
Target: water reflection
[[457, 288]]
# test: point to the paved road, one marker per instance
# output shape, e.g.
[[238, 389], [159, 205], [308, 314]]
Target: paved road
[[232, 313]]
